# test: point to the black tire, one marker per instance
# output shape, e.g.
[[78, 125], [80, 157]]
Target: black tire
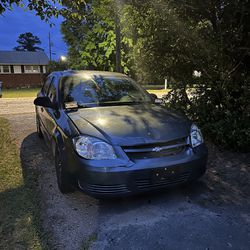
[[38, 129], [63, 178]]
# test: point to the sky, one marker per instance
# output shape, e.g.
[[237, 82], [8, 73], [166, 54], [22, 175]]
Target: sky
[[18, 21]]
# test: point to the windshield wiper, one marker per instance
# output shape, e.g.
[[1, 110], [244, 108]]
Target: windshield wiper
[[75, 105], [118, 103], [81, 105]]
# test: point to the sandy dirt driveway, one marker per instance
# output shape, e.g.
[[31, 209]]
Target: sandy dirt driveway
[[212, 214], [11, 106]]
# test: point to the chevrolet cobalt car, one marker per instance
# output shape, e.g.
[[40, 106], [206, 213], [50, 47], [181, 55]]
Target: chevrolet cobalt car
[[110, 137]]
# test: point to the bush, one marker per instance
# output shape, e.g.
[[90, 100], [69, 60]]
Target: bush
[[222, 111]]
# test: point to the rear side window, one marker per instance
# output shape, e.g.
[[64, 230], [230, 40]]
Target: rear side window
[[52, 91], [46, 85]]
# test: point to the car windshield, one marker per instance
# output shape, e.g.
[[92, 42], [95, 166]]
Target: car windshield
[[101, 91]]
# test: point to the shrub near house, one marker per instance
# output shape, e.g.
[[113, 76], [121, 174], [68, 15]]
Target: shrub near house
[[22, 68]]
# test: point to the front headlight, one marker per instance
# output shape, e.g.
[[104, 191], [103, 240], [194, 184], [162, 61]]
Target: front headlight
[[93, 149], [196, 136]]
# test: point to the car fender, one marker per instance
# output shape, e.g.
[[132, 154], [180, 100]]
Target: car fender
[[62, 144], [57, 142]]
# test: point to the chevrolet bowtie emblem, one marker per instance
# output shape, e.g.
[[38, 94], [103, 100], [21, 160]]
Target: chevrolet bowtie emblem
[[157, 149]]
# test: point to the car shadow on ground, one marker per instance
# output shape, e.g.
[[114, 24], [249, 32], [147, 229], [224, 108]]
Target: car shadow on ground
[[35, 155]]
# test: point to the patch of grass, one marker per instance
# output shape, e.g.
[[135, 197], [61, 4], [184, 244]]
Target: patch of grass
[[18, 93], [154, 87], [32, 92], [87, 243], [20, 226], [158, 91]]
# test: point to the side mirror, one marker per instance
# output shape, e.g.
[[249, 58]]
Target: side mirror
[[44, 102], [155, 99]]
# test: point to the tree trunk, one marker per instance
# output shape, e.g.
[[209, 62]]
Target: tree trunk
[[118, 43]]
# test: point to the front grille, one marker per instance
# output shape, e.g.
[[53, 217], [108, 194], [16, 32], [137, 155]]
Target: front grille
[[156, 150], [147, 184]]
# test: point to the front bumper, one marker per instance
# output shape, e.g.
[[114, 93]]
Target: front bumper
[[107, 179]]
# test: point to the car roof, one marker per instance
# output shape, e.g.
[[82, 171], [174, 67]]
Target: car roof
[[88, 73]]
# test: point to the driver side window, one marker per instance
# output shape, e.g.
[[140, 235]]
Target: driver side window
[[46, 86]]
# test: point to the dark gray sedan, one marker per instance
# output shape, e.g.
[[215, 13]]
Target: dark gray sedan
[[110, 138]]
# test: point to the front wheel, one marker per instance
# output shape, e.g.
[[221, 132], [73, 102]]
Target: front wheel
[[63, 178]]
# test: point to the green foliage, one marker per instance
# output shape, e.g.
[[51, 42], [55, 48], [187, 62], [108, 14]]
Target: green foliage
[[56, 66], [172, 39], [90, 34], [222, 111], [43, 8], [220, 100], [27, 42]]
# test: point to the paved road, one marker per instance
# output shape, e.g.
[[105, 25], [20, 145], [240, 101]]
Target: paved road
[[204, 216]]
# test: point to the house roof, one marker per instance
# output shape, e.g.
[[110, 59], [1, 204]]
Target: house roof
[[23, 58]]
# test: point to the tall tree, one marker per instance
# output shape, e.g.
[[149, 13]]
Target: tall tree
[[27, 42], [44, 9], [90, 32]]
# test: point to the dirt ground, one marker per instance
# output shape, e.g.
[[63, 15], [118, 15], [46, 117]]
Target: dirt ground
[[212, 214], [11, 106]]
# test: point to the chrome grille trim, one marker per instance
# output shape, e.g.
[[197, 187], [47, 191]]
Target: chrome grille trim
[[151, 149], [156, 150]]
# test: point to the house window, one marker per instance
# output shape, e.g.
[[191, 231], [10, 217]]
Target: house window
[[32, 69], [17, 69], [5, 69]]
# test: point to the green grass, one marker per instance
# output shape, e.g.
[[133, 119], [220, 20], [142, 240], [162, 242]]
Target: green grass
[[20, 225], [32, 92], [158, 91], [18, 93], [155, 87]]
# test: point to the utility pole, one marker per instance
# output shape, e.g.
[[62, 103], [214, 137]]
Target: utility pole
[[50, 51], [118, 44], [118, 37]]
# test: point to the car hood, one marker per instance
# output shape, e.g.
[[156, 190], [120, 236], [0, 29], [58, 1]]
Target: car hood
[[131, 125]]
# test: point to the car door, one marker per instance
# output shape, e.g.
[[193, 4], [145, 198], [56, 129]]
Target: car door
[[49, 114], [41, 110]]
